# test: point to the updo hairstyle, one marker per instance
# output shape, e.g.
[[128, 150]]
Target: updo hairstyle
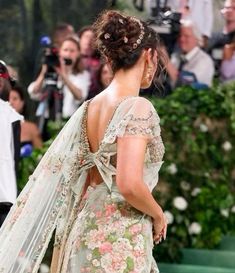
[[121, 39]]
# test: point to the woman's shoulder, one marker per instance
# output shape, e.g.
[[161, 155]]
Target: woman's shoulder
[[139, 105], [141, 101]]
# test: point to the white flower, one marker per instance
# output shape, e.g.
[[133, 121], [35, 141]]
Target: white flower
[[203, 128], [233, 209], [185, 185], [227, 146], [224, 212], [195, 191], [180, 203], [194, 228], [169, 217], [172, 169], [44, 268]]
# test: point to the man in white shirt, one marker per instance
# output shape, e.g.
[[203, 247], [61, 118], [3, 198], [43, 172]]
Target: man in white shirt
[[195, 61], [9, 146]]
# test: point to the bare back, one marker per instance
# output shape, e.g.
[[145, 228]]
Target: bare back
[[100, 112]]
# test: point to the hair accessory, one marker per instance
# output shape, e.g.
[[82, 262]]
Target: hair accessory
[[141, 36], [125, 40], [121, 21], [106, 36], [134, 46]]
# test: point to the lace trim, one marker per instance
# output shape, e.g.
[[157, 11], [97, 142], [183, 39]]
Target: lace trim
[[148, 126]]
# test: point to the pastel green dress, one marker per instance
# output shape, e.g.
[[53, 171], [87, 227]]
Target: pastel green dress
[[98, 232]]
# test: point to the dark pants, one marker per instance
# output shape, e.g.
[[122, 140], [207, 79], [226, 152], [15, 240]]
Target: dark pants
[[4, 209]]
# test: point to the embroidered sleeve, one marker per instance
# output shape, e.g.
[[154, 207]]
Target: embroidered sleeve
[[141, 121]]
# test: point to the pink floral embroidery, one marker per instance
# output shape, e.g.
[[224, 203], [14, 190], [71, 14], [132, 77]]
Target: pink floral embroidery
[[105, 247], [98, 214], [115, 243], [110, 209], [135, 229]]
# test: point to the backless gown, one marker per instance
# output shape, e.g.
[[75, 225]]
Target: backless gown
[[96, 232]]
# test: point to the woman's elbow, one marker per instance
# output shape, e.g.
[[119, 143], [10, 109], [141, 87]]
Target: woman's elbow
[[127, 186]]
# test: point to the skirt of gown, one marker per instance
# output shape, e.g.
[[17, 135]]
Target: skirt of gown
[[109, 236]]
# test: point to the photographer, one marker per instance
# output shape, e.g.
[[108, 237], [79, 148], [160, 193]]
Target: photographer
[[190, 66], [71, 79]]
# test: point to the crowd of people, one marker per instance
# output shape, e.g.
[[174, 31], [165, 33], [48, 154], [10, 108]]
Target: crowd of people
[[80, 73]]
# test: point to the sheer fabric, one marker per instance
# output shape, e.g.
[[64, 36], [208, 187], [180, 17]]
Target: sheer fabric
[[52, 199]]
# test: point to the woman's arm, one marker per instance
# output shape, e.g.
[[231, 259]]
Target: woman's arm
[[228, 51], [36, 137], [63, 72], [37, 87], [76, 91], [129, 178]]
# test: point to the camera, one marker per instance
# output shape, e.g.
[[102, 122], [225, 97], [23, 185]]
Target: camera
[[51, 57], [165, 22], [167, 25], [52, 60]]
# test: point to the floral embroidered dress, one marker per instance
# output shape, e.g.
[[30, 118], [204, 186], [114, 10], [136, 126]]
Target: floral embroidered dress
[[97, 232]]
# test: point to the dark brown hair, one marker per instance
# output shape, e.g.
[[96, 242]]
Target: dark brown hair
[[20, 91], [83, 30], [117, 38], [77, 67], [62, 31]]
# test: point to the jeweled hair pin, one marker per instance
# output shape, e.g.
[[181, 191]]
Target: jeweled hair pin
[[141, 36]]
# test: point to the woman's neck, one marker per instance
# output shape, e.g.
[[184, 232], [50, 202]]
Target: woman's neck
[[127, 82]]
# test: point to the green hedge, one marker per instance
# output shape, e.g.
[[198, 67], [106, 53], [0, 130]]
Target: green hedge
[[196, 187]]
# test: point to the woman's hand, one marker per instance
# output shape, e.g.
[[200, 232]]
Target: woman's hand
[[61, 70], [159, 229]]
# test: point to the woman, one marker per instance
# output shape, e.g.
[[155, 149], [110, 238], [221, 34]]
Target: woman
[[29, 131], [73, 79], [94, 184], [105, 75]]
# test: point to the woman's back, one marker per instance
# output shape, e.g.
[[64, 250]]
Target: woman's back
[[100, 111]]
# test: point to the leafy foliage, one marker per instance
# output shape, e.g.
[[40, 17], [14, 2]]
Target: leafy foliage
[[198, 132]]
